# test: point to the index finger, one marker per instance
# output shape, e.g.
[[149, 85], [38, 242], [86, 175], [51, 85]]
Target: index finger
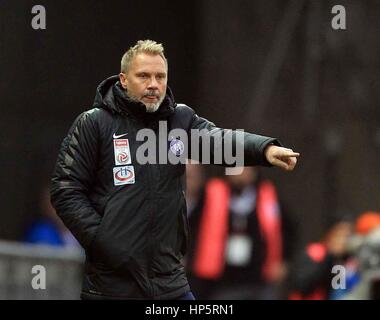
[[292, 154]]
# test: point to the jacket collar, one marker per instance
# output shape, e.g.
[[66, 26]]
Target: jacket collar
[[111, 96]]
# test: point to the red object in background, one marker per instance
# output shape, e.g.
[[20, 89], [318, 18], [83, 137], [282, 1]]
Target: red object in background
[[367, 221]]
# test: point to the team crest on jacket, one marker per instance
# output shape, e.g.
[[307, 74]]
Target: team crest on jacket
[[177, 146], [121, 151], [123, 175]]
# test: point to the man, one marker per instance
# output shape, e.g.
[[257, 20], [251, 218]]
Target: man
[[129, 215], [240, 244], [311, 275]]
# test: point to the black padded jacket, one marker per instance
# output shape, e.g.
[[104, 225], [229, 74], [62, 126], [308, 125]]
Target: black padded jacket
[[130, 218]]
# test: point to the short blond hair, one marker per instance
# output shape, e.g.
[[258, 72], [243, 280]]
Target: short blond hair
[[142, 46]]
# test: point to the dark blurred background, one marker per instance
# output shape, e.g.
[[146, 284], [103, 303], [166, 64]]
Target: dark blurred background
[[272, 67]]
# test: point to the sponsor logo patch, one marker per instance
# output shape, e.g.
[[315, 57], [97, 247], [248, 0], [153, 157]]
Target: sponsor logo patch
[[121, 151], [123, 175]]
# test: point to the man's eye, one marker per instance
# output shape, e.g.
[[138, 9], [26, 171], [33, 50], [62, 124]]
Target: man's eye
[[143, 76]]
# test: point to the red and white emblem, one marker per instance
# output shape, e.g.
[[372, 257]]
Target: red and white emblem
[[121, 151], [123, 175]]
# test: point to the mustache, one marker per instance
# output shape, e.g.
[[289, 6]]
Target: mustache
[[152, 93]]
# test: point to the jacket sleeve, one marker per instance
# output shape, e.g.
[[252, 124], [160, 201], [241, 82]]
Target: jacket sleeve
[[73, 177], [253, 145]]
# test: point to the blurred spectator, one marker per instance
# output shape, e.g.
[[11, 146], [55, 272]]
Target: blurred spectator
[[366, 222], [311, 274], [195, 181], [47, 228], [365, 247], [194, 185], [238, 244]]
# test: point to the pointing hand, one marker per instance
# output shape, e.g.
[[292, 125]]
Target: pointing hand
[[281, 157]]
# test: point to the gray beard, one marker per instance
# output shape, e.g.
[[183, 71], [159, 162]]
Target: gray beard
[[150, 107]]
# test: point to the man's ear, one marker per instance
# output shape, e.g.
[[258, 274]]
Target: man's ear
[[123, 80]]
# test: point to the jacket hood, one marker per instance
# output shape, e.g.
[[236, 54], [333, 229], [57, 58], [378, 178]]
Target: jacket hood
[[110, 95]]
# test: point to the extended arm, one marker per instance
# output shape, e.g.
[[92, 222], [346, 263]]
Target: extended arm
[[257, 149]]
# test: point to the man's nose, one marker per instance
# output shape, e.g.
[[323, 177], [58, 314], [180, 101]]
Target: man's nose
[[153, 84]]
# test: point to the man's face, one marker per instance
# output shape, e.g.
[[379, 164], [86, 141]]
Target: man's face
[[146, 80]]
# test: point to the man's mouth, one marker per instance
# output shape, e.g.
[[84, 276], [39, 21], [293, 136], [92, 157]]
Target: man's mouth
[[151, 97]]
